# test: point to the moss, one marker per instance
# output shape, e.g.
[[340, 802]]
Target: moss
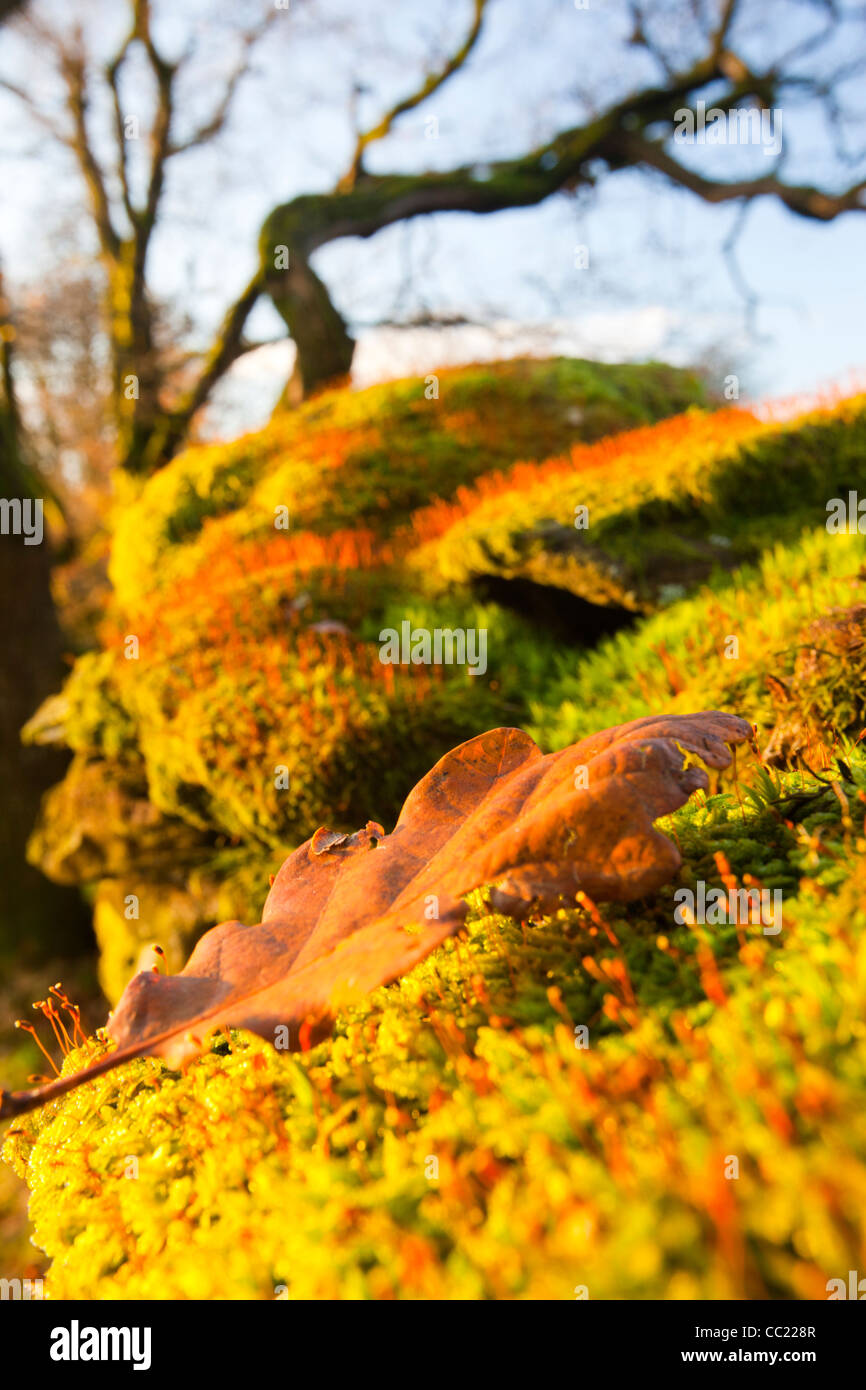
[[99, 821], [131, 917], [662, 506], [369, 457], [738, 644], [452, 1141], [88, 715], [256, 649], [255, 703]]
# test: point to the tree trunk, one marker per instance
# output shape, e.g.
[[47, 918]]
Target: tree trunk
[[36, 916], [323, 344]]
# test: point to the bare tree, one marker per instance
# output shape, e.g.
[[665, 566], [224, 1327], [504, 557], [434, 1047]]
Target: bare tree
[[64, 385], [679, 52], [153, 401], [635, 132]]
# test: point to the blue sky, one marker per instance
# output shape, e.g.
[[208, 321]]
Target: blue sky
[[657, 284]]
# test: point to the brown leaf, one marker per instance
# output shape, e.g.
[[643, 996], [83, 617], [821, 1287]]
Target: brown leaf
[[349, 912]]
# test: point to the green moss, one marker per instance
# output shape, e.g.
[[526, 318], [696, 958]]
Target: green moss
[[663, 508], [367, 458], [237, 722], [315, 768], [88, 715], [100, 822], [451, 1140], [229, 680], [742, 643]]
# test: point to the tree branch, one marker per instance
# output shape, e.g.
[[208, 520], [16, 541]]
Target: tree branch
[[379, 200], [160, 135], [431, 84], [212, 127], [227, 346], [112, 76], [55, 130], [74, 71], [803, 199], [367, 203]]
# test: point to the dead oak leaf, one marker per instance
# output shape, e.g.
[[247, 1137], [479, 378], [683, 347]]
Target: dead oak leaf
[[347, 913]]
